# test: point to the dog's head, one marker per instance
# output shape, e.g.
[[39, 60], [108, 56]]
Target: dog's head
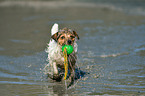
[[65, 37]]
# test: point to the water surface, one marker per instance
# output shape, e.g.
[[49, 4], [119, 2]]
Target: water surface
[[111, 47]]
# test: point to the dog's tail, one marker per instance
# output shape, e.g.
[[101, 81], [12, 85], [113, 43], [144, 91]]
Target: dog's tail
[[54, 29]]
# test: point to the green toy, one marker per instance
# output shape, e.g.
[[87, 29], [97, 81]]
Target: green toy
[[69, 49]]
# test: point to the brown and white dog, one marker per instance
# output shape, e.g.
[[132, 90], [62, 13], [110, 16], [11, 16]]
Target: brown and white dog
[[55, 55]]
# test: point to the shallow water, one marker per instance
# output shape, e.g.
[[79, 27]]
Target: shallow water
[[111, 47]]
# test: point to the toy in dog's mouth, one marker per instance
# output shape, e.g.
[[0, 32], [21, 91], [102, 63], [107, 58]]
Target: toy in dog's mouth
[[65, 62], [66, 49], [69, 49]]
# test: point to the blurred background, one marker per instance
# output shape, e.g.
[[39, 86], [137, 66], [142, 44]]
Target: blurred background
[[111, 46]]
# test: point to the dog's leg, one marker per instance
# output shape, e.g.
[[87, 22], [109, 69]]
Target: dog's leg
[[55, 70], [72, 73]]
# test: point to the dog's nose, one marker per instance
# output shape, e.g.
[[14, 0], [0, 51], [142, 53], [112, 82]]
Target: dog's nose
[[69, 41]]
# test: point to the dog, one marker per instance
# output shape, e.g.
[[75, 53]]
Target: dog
[[59, 38]]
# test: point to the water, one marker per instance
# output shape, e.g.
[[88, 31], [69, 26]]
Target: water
[[111, 47]]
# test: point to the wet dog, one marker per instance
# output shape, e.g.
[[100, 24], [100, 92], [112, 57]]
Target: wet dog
[[59, 38]]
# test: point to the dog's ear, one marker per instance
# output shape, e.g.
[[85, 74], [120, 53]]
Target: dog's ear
[[76, 35], [55, 36]]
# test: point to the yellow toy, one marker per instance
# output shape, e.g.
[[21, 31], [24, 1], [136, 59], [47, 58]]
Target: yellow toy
[[65, 63]]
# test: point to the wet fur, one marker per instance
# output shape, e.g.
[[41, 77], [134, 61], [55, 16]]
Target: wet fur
[[55, 54]]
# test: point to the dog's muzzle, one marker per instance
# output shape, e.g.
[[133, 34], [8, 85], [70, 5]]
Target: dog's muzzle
[[69, 42]]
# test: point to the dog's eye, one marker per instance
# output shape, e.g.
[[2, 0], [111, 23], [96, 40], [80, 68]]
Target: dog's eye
[[62, 37], [72, 37]]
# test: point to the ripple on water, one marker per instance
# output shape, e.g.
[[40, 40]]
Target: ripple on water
[[77, 22], [22, 70], [20, 41], [140, 51], [2, 49]]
